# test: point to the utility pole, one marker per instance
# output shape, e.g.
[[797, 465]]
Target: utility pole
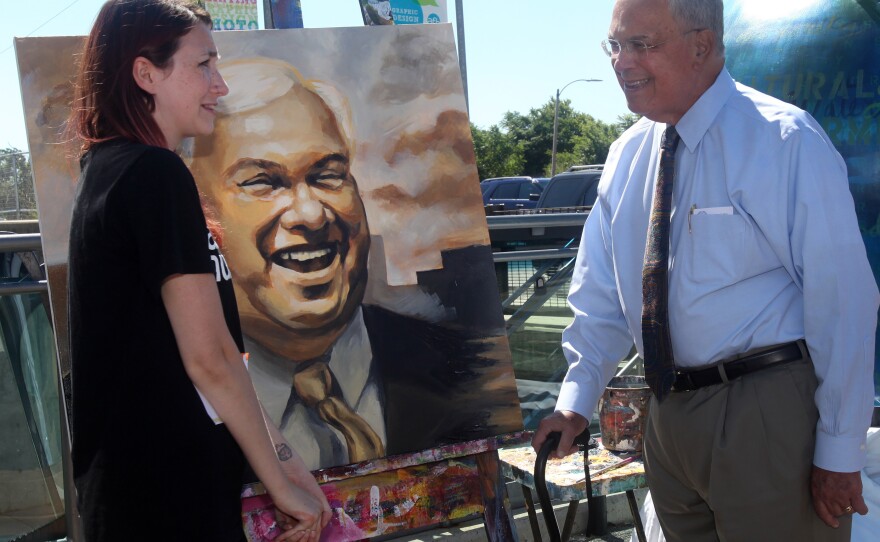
[[462, 57], [268, 19], [556, 121]]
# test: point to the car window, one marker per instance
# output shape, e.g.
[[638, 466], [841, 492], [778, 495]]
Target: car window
[[571, 191], [506, 191], [591, 193], [564, 192], [528, 188]]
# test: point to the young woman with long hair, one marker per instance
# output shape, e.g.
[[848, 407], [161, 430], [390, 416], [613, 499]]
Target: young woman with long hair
[[164, 415]]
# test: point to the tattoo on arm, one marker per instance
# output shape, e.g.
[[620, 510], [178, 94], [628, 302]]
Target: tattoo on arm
[[283, 452]]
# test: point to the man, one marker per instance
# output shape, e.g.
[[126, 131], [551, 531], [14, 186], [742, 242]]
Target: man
[[344, 381], [757, 432]]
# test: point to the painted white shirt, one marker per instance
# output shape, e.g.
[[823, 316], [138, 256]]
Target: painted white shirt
[[764, 249], [350, 361]]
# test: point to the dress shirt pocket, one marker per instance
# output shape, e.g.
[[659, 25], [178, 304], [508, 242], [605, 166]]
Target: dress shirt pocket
[[717, 251]]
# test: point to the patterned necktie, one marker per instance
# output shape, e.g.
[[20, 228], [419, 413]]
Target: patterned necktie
[[659, 363], [315, 386]]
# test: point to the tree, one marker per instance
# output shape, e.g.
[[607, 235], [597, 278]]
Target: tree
[[580, 138], [534, 132], [498, 155], [17, 198], [625, 121], [523, 144]]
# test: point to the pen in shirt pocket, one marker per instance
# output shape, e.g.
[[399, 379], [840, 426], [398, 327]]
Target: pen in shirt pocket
[[690, 215], [694, 210]]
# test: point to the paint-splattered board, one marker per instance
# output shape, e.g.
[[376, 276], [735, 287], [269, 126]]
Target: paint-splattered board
[[400, 493], [565, 477]]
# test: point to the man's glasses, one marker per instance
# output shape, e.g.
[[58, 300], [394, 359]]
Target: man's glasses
[[613, 47]]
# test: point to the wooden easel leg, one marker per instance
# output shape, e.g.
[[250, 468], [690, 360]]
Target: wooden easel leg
[[497, 514]]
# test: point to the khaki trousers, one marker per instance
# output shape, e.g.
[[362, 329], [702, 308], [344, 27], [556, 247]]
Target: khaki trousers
[[731, 462]]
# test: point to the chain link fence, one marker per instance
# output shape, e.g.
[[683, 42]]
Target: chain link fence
[[17, 198]]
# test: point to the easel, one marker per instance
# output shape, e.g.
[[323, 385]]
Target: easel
[[405, 492]]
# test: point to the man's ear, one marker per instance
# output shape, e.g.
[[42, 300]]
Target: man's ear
[[145, 74], [704, 42]]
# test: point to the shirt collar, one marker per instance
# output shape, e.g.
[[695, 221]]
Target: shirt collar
[[696, 122], [350, 360]]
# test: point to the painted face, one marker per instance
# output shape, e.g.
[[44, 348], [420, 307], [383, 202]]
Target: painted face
[[658, 82], [187, 91], [294, 228]]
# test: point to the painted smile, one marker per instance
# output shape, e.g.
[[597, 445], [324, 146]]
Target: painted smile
[[306, 259]]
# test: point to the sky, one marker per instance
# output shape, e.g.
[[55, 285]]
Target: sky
[[518, 52]]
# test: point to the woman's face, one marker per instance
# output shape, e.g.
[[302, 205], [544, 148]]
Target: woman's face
[[186, 92]]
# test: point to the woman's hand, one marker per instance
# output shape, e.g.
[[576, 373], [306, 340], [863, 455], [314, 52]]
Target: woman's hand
[[299, 475], [299, 515]]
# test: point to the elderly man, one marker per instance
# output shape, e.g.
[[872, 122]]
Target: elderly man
[[344, 381], [724, 243]]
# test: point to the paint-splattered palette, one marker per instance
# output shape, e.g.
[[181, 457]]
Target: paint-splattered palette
[[565, 477]]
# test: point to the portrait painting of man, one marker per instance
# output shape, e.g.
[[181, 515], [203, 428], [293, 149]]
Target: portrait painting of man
[[341, 185]]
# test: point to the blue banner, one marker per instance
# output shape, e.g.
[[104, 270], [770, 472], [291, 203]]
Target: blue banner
[[824, 58], [418, 11], [286, 14]]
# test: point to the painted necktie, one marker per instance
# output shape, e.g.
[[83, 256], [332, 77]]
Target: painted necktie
[[315, 386], [659, 362]]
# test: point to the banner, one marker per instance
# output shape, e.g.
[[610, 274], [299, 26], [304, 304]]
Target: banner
[[376, 12], [285, 14], [234, 14], [379, 12], [418, 11]]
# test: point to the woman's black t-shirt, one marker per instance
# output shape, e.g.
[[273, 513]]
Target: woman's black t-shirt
[[148, 461]]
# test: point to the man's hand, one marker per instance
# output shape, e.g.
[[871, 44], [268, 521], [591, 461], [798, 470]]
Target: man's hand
[[570, 424], [836, 494]]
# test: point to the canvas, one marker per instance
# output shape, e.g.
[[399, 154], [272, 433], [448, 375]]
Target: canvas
[[342, 183]]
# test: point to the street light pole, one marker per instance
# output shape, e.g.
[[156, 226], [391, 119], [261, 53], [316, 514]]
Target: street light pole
[[556, 121], [462, 57]]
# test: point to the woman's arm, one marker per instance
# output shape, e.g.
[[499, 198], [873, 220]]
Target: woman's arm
[[214, 364], [295, 470]]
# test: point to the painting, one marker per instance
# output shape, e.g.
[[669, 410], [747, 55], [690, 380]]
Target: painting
[[342, 187]]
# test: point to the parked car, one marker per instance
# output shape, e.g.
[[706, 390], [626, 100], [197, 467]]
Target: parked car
[[571, 191], [511, 193]]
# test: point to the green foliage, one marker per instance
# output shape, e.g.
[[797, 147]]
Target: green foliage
[[528, 141], [625, 121], [498, 155], [17, 198]]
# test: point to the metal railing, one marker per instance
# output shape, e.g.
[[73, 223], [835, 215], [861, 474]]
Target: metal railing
[[557, 264]]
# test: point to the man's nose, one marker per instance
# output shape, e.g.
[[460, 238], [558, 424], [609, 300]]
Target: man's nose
[[304, 209], [623, 60]]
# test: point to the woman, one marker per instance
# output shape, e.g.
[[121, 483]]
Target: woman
[[156, 347]]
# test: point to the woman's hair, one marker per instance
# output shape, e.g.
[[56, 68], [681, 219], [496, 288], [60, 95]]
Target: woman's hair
[[108, 103]]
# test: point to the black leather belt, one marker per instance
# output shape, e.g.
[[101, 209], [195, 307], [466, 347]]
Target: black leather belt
[[688, 380]]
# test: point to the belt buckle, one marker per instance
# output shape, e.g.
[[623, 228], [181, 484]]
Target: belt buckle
[[683, 381]]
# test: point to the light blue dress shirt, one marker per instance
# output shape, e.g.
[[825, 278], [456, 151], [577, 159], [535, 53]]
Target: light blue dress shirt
[[765, 249]]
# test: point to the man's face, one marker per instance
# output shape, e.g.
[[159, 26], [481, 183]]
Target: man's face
[[659, 82], [295, 233]]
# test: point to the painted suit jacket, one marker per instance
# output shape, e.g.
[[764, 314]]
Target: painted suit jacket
[[439, 383]]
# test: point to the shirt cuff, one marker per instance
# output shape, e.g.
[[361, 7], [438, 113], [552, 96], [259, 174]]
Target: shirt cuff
[[840, 454], [573, 397]]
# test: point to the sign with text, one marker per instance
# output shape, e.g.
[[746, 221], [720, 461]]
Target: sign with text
[[233, 14], [382, 12], [418, 11]]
